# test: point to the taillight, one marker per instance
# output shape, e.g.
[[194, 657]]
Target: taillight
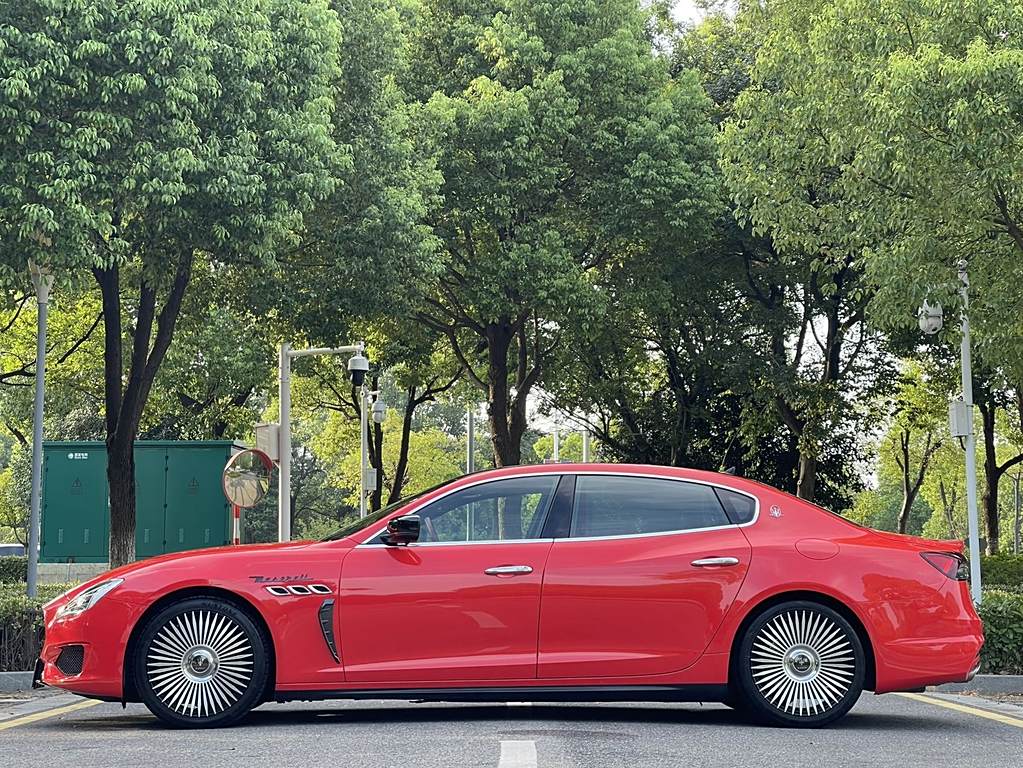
[[949, 563]]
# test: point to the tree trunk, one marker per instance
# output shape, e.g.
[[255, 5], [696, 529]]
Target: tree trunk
[[125, 400], [401, 467], [992, 474], [504, 421], [121, 481], [807, 483]]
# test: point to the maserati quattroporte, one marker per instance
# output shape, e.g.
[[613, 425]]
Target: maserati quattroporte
[[556, 583]]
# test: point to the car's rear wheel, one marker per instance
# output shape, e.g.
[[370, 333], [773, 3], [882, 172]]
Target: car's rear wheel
[[800, 664], [200, 663]]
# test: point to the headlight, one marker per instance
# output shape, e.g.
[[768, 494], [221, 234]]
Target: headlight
[[87, 599]]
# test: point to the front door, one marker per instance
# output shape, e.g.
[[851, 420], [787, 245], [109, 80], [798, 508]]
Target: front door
[[462, 603], [642, 582]]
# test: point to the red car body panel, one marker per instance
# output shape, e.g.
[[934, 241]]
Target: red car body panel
[[616, 611]]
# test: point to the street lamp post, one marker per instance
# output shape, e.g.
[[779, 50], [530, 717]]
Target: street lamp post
[[357, 366], [42, 281], [961, 418], [970, 438]]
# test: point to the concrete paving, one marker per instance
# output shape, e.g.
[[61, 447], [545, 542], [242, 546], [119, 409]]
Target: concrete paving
[[893, 730]]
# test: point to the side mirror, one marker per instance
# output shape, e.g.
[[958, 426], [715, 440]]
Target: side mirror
[[402, 530]]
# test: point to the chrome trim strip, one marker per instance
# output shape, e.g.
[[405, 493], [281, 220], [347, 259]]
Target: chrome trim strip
[[417, 506]]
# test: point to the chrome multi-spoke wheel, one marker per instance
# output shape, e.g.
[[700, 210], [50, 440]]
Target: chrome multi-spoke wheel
[[201, 662], [802, 664]]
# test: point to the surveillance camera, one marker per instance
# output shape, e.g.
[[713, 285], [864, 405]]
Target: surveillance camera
[[358, 365], [378, 411], [931, 318]]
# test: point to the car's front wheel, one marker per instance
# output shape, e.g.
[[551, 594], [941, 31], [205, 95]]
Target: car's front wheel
[[800, 664], [200, 663]]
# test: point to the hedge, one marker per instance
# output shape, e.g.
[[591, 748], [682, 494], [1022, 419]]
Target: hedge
[[1002, 569], [13, 568], [1002, 612]]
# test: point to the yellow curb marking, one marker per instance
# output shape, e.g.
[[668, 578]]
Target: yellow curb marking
[[37, 716], [996, 716]]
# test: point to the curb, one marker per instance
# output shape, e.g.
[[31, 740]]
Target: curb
[[982, 684], [12, 682]]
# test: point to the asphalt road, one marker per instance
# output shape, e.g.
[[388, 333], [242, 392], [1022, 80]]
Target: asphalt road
[[57, 731]]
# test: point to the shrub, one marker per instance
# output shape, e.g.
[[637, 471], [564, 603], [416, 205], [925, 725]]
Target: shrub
[[1002, 612], [13, 568], [1002, 569], [21, 631]]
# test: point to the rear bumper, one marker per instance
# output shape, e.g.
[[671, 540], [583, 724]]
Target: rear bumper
[[934, 646]]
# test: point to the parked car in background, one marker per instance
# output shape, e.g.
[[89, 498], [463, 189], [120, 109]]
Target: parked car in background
[[559, 582], [12, 550]]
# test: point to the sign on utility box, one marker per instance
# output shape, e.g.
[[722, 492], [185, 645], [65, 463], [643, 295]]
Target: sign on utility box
[[179, 503]]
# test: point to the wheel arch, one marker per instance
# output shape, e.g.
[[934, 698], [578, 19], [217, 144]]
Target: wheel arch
[[808, 595], [130, 691]]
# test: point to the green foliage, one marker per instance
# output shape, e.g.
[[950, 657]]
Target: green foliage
[[563, 144], [1002, 570], [1002, 613], [13, 569]]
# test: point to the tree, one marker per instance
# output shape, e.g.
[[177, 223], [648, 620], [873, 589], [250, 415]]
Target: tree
[[911, 117], [562, 142], [139, 138], [914, 435]]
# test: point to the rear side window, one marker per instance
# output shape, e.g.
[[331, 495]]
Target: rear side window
[[740, 507], [613, 505]]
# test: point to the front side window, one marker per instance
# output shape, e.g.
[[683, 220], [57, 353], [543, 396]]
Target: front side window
[[612, 505], [502, 510]]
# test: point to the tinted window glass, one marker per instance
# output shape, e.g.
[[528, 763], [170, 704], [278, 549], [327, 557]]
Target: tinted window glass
[[740, 507], [498, 511], [607, 505]]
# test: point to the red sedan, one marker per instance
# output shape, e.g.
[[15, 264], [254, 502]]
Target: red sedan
[[561, 583]]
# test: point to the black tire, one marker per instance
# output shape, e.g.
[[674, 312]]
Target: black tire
[[799, 664], [201, 663]]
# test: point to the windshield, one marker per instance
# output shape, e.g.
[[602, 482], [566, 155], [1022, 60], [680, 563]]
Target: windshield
[[360, 523]]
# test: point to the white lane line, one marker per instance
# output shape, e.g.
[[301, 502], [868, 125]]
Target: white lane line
[[518, 754]]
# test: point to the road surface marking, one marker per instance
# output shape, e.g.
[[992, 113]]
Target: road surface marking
[[518, 754], [996, 716], [37, 716]]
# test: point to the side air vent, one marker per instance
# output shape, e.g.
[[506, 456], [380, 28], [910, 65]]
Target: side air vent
[[299, 589], [279, 591], [326, 616], [70, 659], [320, 589]]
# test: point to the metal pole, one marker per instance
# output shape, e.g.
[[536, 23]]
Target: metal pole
[[556, 456], [971, 440], [470, 440], [284, 438], [586, 446], [42, 281], [364, 449]]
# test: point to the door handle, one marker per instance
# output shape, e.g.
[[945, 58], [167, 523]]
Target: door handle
[[711, 562], [508, 570]]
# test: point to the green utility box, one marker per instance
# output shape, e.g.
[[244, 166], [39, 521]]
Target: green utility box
[[179, 501]]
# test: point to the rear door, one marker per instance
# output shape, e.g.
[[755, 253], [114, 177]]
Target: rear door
[[643, 580]]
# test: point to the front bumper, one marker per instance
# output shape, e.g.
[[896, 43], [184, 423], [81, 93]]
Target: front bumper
[[102, 632]]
